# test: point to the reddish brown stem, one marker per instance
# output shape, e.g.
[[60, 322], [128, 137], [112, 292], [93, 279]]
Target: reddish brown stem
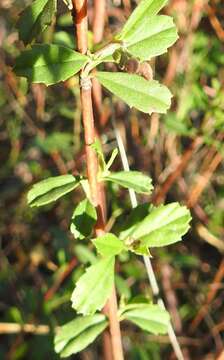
[[80, 22]]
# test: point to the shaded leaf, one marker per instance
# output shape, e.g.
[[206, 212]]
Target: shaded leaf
[[35, 18], [51, 189], [131, 179], [94, 287], [78, 333], [109, 245], [49, 64], [146, 96], [83, 219], [148, 317], [164, 225]]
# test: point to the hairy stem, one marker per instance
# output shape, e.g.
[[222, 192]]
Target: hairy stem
[[80, 22]]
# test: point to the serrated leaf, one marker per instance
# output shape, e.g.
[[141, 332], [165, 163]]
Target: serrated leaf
[[146, 96], [109, 245], [35, 18], [164, 225], [148, 317], [131, 179], [49, 64], [151, 37], [83, 219], [74, 336], [94, 287], [51, 189], [145, 9]]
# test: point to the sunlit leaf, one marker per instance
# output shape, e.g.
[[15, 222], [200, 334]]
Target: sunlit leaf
[[94, 287], [150, 37], [49, 64], [148, 317], [131, 179], [76, 335], [146, 96], [51, 189], [108, 245], [164, 225], [145, 9]]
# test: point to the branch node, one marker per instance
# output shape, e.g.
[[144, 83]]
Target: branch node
[[86, 83]]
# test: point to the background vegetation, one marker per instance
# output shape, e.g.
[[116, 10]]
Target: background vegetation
[[40, 136]]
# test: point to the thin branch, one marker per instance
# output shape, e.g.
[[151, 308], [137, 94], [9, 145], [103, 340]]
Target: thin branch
[[147, 261]]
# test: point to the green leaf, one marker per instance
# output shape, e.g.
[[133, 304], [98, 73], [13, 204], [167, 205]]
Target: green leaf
[[130, 222], [145, 9], [148, 317], [94, 287], [49, 64], [146, 96], [131, 179], [83, 219], [35, 18], [51, 189], [74, 336], [151, 37], [165, 225], [109, 245]]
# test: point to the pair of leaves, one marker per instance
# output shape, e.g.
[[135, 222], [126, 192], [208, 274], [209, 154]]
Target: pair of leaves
[[74, 336], [163, 226], [35, 18], [148, 317], [51, 189]]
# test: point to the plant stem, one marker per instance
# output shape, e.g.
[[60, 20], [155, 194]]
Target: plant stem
[[80, 22]]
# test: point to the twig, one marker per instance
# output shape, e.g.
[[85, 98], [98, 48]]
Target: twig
[[12, 328], [147, 261]]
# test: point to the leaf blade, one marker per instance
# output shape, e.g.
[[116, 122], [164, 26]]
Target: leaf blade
[[49, 64], [135, 180], [97, 281], [149, 317], [83, 219], [108, 245], [146, 96], [51, 189], [67, 339], [151, 37], [164, 225], [35, 18], [145, 8]]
